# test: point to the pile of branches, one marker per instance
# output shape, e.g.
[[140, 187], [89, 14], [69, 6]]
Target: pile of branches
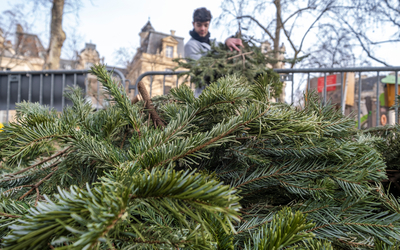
[[227, 170], [250, 63]]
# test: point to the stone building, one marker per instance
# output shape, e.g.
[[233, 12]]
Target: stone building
[[27, 52], [156, 53], [86, 58]]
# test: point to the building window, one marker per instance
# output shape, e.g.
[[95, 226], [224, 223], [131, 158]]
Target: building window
[[169, 51]]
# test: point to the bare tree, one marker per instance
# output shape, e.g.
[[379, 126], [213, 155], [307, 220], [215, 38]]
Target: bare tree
[[72, 45], [57, 35], [123, 56], [332, 49], [338, 32], [10, 56], [367, 22], [284, 20]]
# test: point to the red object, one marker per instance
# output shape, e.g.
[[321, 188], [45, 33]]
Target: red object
[[330, 80]]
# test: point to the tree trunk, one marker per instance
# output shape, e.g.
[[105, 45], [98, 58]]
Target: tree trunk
[[277, 32], [57, 35]]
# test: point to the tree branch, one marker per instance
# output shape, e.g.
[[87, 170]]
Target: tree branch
[[45, 160], [10, 215], [258, 23], [297, 12], [363, 45], [391, 7], [37, 185], [309, 28], [304, 36], [149, 105], [37, 196]]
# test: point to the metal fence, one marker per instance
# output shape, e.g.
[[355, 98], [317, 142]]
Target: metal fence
[[291, 72], [46, 87], [156, 73], [288, 75]]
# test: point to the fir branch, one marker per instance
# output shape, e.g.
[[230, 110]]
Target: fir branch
[[34, 187], [131, 112]]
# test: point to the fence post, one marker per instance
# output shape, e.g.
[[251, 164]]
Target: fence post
[[8, 96], [292, 88], [396, 102], [41, 89], [52, 91], [359, 100], [324, 90], [377, 100]]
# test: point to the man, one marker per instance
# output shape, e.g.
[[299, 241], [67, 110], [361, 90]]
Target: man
[[200, 43]]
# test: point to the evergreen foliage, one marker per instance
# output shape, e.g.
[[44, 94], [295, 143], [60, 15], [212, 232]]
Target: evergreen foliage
[[250, 63], [229, 171]]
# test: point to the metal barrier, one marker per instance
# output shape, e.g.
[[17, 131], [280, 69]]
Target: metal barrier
[[358, 70], [287, 75], [154, 73], [45, 87]]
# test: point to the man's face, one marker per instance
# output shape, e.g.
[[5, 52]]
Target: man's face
[[201, 28]]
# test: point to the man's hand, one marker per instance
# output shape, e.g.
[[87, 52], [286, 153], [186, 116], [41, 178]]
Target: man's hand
[[233, 43]]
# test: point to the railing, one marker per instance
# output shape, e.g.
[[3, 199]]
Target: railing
[[45, 87], [287, 75], [358, 70], [155, 73]]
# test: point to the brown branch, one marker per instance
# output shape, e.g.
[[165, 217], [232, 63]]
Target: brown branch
[[45, 160], [109, 227], [354, 244], [149, 105], [37, 196], [241, 54], [38, 184], [10, 215], [135, 99], [16, 188], [22, 176], [123, 141]]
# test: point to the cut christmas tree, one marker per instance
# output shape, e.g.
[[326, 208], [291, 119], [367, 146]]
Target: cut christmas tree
[[229, 170]]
